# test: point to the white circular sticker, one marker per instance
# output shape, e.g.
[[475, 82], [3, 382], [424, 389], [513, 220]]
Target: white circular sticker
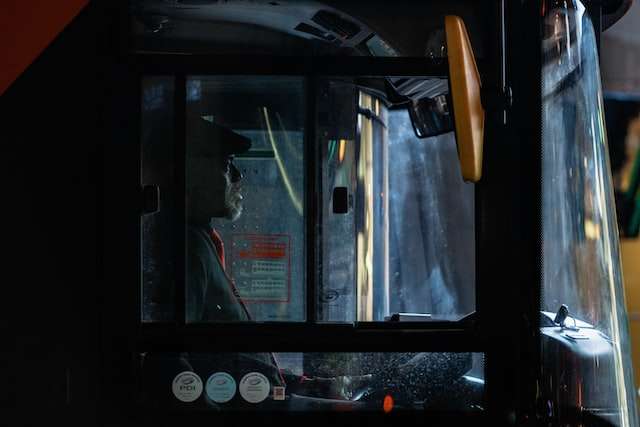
[[187, 386], [254, 387], [221, 387]]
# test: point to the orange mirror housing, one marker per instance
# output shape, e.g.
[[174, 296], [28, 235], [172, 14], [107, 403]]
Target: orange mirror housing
[[464, 81]]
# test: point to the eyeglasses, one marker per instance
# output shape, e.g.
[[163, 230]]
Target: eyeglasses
[[234, 172]]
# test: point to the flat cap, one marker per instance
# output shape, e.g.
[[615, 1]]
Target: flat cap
[[208, 139]]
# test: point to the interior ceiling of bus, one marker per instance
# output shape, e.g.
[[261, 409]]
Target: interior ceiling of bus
[[262, 25], [331, 25], [301, 27]]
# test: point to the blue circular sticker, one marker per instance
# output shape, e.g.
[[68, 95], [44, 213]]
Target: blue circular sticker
[[221, 387]]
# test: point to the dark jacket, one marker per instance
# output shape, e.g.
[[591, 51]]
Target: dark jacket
[[211, 297]]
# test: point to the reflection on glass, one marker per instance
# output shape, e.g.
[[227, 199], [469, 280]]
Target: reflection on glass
[[339, 147], [157, 228], [245, 193], [581, 265], [314, 381], [371, 212], [337, 296], [431, 225], [404, 248]]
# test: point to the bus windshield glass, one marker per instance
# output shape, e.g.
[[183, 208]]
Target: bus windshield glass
[[581, 262]]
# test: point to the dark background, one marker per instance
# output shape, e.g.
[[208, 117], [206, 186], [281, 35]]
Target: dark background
[[52, 136]]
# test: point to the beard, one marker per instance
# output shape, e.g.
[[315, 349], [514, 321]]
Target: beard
[[233, 202]]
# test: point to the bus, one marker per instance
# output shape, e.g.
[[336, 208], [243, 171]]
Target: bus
[[339, 211]]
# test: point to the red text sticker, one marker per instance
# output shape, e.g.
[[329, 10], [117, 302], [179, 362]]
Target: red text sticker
[[261, 266]]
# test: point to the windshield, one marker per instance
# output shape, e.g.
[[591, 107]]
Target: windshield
[[581, 266]]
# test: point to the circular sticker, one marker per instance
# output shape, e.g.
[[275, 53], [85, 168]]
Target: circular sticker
[[254, 387], [187, 386], [221, 387]]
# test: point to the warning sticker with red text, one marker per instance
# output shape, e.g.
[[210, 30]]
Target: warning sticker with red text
[[261, 266]]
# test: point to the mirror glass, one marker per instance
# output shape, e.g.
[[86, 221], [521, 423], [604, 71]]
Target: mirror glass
[[430, 116]]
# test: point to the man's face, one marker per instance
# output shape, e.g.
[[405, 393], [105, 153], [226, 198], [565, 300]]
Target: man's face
[[233, 196], [214, 188]]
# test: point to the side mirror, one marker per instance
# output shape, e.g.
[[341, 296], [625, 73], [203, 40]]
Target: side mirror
[[430, 116], [427, 102], [458, 107], [465, 86]]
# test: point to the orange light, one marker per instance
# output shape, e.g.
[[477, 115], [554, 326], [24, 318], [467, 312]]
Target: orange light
[[341, 149], [387, 404]]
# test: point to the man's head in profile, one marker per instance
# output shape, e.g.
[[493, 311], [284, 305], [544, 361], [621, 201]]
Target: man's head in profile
[[212, 179]]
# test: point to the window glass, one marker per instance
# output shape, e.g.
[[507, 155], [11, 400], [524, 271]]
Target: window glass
[[431, 225], [404, 246], [581, 266], [372, 278], [158, 239], [337, 138], [245, 199], [376, 382]]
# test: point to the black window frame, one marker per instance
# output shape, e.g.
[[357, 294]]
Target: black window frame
[[259, 336]]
